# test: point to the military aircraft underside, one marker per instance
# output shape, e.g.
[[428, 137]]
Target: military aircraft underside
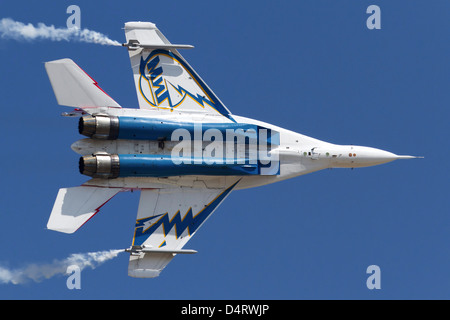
[[183, 149]]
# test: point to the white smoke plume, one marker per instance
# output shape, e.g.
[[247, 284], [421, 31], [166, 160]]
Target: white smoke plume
[[39, 272], [10, 29]]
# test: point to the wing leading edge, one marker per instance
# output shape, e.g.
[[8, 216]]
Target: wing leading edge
[[166, 220]]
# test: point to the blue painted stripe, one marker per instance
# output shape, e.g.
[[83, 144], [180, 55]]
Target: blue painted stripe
[[189, 221], [136, 128], [214, 102], [142, 165]]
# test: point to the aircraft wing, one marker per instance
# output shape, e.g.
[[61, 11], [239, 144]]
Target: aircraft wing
[[166, 220], [164, 81]]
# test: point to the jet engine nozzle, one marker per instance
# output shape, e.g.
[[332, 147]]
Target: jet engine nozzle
[[99, 127], [104, 166]]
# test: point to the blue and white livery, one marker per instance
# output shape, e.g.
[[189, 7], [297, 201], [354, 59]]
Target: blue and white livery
[[182, 149]]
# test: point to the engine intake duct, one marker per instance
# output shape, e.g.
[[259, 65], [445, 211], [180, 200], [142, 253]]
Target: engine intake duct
[[100, 166], [99, 127]]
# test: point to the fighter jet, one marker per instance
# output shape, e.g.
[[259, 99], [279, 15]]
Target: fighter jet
[[182, 149]]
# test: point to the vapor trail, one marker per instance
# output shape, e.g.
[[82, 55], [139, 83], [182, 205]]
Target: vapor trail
[[16, 30], [39, 272]]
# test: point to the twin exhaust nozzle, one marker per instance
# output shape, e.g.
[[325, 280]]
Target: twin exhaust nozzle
[[106, 166], [99, 127]]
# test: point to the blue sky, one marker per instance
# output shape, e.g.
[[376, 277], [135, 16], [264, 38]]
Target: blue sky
[[309, 66]]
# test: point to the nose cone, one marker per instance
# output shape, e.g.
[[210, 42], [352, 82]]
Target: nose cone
[[358, 156], [366, 156]]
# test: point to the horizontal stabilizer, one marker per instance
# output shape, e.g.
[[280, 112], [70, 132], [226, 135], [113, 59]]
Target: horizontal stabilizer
[[74, 206], [75, 88]]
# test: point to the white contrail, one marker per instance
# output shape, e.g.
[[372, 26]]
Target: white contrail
[[10, 29], [39, 272]]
